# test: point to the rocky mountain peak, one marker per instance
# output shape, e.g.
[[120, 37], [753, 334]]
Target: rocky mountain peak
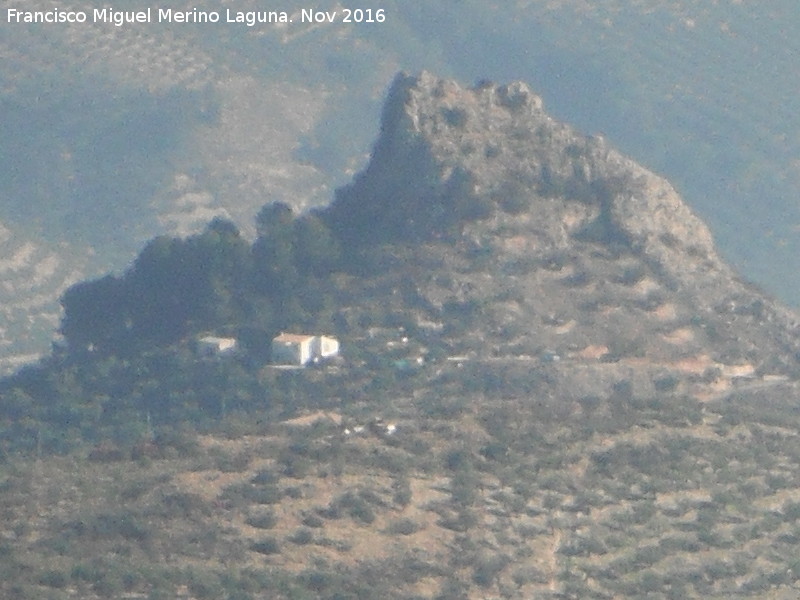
[[449, 153], [541, 237]]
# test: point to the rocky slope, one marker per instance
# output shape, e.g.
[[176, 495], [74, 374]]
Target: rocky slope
[[497, 143], [546, 225]]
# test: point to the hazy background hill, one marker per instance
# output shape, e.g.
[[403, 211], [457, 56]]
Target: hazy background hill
[[112, 135]]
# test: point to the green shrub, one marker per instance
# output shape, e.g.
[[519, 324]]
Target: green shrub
[[318, 581], [464, 520], [109, 525], [241, 493], [109, 586], [294, 492], [453, 589], [262, 520], [578, 279], [403, 526], [87, 573], [313, 521], [791, 511], [296, 466], [234, 463], [183, 504], [54, 579], [632, 275], [204, 585], [667, 383], [402, 493], [487, 568], [362, 512], [266, 546], [356, 506], [582, 546], [302, 536], [265, 477]]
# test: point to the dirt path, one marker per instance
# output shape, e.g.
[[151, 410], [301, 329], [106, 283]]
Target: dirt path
[[553, 566]]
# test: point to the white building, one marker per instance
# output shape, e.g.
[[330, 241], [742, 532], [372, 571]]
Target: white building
[[325, 346], [301, 349], [211, 346]]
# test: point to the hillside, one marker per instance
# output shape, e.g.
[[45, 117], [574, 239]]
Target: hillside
[[114, 135], [600, 409], [546, 226]]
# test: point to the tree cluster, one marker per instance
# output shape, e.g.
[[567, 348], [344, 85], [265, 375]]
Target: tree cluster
[[214, 281], [127, 368]]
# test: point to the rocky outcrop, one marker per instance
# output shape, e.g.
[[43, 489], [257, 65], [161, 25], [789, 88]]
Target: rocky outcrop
[[553, 237], [448, 153]]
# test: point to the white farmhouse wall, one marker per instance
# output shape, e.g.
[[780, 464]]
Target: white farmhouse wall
[[291, 349], [211, 346], [326, 346], [298, 349]]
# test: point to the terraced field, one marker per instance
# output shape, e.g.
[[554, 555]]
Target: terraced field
[[516, 497]]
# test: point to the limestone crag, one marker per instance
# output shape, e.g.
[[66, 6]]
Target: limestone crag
[[553, 238], [496, 146]]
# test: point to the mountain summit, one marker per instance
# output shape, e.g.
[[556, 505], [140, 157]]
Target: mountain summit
[[447, 152], [544, 225]]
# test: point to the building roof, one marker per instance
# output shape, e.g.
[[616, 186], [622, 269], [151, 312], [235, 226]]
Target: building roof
[[293, 338], [212, 339]]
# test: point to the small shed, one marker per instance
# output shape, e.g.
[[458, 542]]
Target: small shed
[[211, 346], [301, 349]]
